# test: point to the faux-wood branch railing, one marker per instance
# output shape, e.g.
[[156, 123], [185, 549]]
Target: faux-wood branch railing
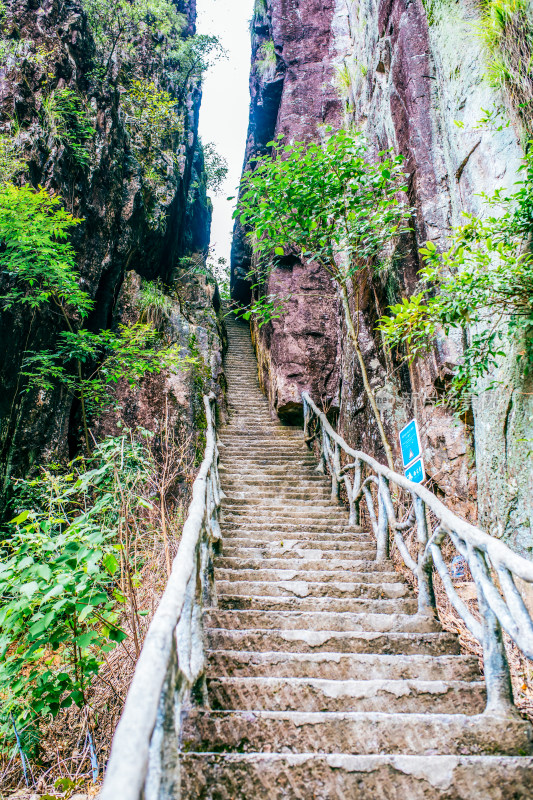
[[490, 561], [171, 664]]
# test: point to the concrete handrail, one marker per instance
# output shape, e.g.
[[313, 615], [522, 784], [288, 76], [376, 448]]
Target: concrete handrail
[[484, 554], [173, 647]]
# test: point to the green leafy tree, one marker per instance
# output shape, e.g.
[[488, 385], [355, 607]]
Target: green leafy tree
[[65, 575], [37, 258], [129, 354], [38, 265], [482, 285], [331, 204], [216, 168], [116, 26], [187, 59], [155, 123], [11, 158]]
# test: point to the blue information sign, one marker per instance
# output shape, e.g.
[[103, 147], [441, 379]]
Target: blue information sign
[[410, 443], [415, 472]]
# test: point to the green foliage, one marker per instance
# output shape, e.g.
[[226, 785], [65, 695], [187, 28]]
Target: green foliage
[[344, 82], [130, 354], [324, 202], [260, 8], [507, 31], [118, 25], [39, 262], [11, 158], [155, 123], [60, 586], [483, 282], [216, 168], [36, 256], [218, 269], [331, 204], [259, 16], [266, 62], [215, 270], [186, 61], [66, 121], [154, 303], [200, 375], [266, 308]]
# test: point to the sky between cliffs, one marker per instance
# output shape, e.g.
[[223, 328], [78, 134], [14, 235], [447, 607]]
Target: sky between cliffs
[[225, 101]]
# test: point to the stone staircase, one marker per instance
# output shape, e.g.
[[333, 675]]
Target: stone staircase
[[322, 683]]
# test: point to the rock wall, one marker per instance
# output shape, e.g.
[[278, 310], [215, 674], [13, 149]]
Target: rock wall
[[417, 83], [133, 227], [294, 96]]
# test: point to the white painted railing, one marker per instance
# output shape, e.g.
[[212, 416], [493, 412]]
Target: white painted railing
[[492, 564], [144, 753]]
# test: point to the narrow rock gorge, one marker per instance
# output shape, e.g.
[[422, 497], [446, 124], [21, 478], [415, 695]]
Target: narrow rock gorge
[[413, 77], [226, 570]]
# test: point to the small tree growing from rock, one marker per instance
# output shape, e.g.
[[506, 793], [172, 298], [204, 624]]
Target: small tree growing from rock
[[326, 203]]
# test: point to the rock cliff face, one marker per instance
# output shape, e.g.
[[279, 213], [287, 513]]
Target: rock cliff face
[[415, 83], [134, 225]]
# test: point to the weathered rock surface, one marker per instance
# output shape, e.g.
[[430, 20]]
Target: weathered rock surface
[[128, 227], [300, 350], [412, 78]]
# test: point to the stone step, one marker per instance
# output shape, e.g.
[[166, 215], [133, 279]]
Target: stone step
[[358, 733], [302, 641], [317, 694], [246, 496], [310, 479], [307, 562], [309, 576], [268, 470], [339, 533], [321, 508], [243, 548], [255, 441], [341, 666], [303, 603], [235, 584], [311, 621], [245, 429], [253, 479], [293, 464], [339, 776], [309, 530], [250, 446], [272, 514]]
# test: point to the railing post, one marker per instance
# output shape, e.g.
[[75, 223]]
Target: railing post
[[355, 506], [335, 470], [322, 464], [382, 551], [495, 665], [426, 594]]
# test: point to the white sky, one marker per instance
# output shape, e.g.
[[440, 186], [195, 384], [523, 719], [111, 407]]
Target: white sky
[[225, 102]]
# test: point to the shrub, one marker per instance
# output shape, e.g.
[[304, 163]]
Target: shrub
[[482, 284], [66, 121], [64, 575], [507, 31]]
